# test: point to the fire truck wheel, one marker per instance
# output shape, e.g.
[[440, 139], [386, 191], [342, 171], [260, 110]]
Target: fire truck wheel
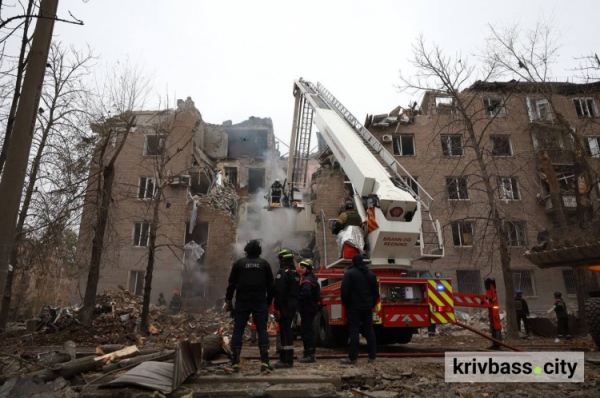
[[592, 313], [329, 336], [404, 335]]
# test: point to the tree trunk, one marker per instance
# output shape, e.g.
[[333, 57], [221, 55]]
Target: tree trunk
[[35, 168], [151, 259], [89, 300]]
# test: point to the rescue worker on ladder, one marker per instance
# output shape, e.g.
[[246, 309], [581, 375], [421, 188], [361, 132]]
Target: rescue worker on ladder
[[276, 192], [522, 312], [286, 291], [308, 306], [348, 217], [251, 279]]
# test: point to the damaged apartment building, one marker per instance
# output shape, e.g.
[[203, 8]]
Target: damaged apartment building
[[434, 148], [213, 177]]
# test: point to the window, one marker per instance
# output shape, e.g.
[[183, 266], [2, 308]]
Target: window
[[469, 281], [516, 233], [141, 234], [509, 188], [256, 180], [585, 107], [462, 233], [501, 145], [457, 188], [147, 188], [154, 145], [594, 146], [199, 184], [569, 276], [404, 145], [231, 176], [136, 282], [413, 184], [539, 109], [445, 106], [494, 107], [452, 145], [523, 280]]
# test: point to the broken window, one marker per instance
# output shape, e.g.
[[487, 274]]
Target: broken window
[[516, 233], [256, 180], [569, 277], [141, 234], [452, 145], [445, 106], [509, 188], [494, 107], [462, 233], [585, 107], [594, 146], [523, 280], [539, 109], [199, 235], [501, 145], [247, 143], [469, 281], [136, 282], [146, 188], [154, 145], [199, 184], [231, 176], [404, 145], [457, 188]]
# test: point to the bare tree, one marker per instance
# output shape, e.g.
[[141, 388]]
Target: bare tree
[[63, 101], [124, 92], [448, 77]]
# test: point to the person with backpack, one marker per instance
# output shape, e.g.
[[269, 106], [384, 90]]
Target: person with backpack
[[308, 307], [562, 317], [522, 312]]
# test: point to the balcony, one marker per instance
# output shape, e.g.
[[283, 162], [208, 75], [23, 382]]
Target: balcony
[[568, 200]]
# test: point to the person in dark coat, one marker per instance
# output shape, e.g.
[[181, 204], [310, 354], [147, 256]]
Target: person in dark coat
[[522, 311], [175, 304], [251, 279], [360, 293], [347, 218], [161, 300], [286, 290], [308, 306], [562, 317]]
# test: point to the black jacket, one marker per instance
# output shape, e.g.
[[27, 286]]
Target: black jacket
[[359, 288], [521, 306], [251, 278], [560, 307], [309, 289], [286, 290]]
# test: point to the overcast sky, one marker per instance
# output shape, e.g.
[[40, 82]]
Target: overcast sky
[[238, 59]]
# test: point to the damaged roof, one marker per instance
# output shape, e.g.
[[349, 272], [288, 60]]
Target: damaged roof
[[562, 88]]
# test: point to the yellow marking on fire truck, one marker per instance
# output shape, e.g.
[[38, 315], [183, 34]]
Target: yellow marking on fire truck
[[447, 285], [434, 298]]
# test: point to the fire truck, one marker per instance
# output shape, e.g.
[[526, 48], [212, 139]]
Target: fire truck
[[398, 228]]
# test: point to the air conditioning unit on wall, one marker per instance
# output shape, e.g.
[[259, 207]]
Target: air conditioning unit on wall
[[387, 138]]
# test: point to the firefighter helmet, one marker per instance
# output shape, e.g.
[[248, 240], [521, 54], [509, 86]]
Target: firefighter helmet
[[285, 254]]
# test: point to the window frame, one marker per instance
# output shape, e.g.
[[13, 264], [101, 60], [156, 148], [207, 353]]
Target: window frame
[[135, 284], [520, 228], [460, 225], [515, 187], [533, 108], [460, 282], [161, 144], [398, 138], [487, 104], [145, 188], [510, 148], [457, 184], [586, 100], [569, 280], [447, 109], [141, 234], [525, 289], [447, 139], [589, 139]]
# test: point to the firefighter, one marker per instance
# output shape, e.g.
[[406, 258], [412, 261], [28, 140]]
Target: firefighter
[[175, 304], [251, 279], [308, 306], [286, 291], [276, 191], [360, 293], [348, 217], [522, 312], [562, 317], [161, 300]]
